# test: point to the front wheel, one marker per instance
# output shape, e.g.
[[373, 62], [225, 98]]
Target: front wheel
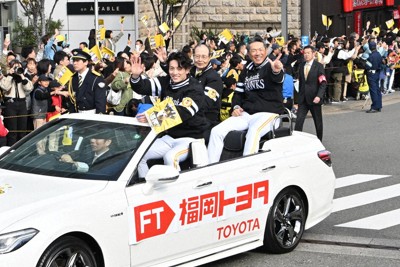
[[68, 251], [285, 223]]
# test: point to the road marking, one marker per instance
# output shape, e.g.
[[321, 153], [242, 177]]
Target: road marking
[[375, 222], [357, 179], [365, 198]]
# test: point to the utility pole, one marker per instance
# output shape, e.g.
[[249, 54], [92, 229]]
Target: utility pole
[[284, 20]]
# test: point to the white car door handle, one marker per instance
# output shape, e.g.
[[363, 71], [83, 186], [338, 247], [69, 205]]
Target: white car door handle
[[205, 184], [268, 168]]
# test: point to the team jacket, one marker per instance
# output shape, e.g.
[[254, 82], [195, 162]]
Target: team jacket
[[213, 86], [91, 94], [259, 89], [188, 97]]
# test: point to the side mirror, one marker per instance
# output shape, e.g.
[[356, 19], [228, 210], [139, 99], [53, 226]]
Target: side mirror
[[159, 174]]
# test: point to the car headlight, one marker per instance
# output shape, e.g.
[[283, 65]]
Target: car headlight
[[14, 240]]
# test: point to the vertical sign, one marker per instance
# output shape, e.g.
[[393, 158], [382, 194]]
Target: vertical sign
[[358, 22]]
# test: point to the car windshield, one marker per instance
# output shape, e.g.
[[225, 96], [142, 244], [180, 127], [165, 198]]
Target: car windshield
[[76, 149]]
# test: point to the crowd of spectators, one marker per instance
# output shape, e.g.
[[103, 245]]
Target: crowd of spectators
[[31, 93]]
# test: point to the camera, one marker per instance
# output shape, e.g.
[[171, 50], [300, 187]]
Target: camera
[[18, 70]]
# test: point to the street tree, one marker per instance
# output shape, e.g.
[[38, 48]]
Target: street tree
[[165, 10], [34, 11]]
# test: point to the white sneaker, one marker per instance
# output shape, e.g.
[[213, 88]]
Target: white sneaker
[[390, 91]]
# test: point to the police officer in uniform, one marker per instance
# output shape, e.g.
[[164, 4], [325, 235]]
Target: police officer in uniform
[[86, 87], [373, 69]]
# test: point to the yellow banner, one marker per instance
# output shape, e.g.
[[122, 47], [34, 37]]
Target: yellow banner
[[107, 53], [164, 27], [164, 115], [95, 54], [175, 22], [159, 40], [64, 75], [225, 36], [390, 23]]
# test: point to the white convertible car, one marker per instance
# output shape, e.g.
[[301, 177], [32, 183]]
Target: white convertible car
[[56, 213]]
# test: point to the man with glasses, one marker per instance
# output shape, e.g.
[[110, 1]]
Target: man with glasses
[[210, 80], [257, 101]]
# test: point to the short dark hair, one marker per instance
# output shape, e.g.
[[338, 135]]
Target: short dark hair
[[108, 33], [181, 58], [309, 47], [235, 60], [59, 55], [84, 44], [139, 41], [258, 39], [26, 50]]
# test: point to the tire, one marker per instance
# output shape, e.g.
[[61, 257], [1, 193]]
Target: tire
[[68, 250], [284, 229]]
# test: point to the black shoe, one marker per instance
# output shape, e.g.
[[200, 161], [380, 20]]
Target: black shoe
[[372, 111]]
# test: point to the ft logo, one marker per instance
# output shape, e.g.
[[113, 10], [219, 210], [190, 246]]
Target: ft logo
[[152, 219]]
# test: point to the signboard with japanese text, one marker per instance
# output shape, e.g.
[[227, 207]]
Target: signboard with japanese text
[[176, 213], [361, 4]]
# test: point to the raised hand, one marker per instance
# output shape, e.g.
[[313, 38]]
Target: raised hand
[[137, 67], [161, 54], [276, 65]]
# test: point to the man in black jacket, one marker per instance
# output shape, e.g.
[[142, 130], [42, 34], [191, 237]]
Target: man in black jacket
[[256, 103], [210, 80], [311, 91]]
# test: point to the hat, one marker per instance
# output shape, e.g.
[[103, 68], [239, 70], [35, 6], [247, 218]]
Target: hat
[[43, 77], [54, 83], [275, 46], [215, 61], [80, 54], [60, 38], [372, 46]]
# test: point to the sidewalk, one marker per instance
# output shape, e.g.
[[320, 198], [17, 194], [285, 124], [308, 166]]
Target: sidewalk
[[352, 105]]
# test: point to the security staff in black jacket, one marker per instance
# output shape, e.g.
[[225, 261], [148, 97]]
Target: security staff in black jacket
[[188, 97], [373, 69], [311, 91], [256, 103], [87, 88]]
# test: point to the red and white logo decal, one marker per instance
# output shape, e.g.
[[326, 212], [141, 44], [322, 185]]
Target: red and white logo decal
[[152, 219]]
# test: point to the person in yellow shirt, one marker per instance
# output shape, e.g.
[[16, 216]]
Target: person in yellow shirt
[[236, 66]]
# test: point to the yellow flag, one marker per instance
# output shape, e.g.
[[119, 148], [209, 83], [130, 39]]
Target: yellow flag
[[164, 27], [144, 20], [102, 33], [122, 19], [395, 31], [225, 36], [107, 53], [280, 40], [64, 75], [390, 23], [95, 54], [217, 53], [67, 137], [324, 20], [159, 40], [377, 30], [164, 115], [329, 22], [175, 22]]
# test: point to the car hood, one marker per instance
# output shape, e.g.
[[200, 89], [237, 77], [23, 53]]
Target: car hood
[[22, 195]]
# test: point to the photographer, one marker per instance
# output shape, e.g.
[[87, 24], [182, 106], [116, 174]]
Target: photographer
[[15, 87]]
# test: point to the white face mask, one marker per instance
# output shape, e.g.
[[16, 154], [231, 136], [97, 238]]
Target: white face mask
[[245, 52], [137, 47]]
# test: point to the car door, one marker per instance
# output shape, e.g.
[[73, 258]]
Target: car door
[[204, 211]]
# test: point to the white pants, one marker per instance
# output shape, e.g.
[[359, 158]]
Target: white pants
[[171, 150], [257, 124]]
